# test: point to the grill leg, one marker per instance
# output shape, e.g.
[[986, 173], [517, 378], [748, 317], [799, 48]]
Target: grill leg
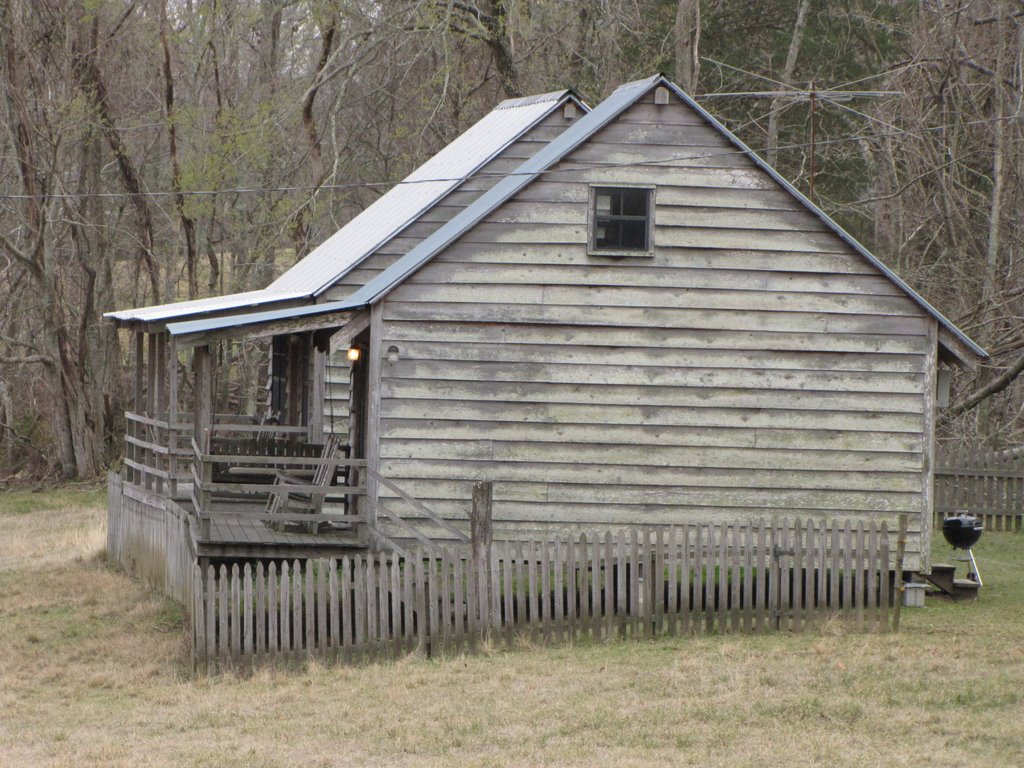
[[974, 574]]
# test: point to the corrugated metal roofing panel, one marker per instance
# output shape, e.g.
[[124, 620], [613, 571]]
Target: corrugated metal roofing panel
[[257, 318], [202, 306], [559, 147], [420, 190]]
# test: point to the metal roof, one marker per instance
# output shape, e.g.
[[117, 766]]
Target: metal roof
[[202, 306], [419, 191], [623, 97], [385, 218], [189, 327]]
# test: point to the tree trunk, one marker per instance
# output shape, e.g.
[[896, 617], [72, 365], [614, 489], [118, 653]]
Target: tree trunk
[[687, 44], [795, 41]]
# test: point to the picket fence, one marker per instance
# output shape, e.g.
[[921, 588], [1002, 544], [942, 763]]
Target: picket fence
[[641, 583], [986, 483]]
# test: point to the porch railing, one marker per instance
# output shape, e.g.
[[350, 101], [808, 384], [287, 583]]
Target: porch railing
[[158, 451], [236, 478]]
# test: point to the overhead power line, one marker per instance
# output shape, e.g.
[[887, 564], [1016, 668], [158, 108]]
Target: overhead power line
[[578, 166]]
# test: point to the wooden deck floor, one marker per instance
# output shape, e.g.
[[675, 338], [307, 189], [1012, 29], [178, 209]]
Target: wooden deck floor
[[243, 537]]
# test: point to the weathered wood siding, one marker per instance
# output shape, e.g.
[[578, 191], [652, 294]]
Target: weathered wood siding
[[754, 365], [337, 390]]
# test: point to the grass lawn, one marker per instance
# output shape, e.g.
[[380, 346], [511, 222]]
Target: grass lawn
[[94, 671]]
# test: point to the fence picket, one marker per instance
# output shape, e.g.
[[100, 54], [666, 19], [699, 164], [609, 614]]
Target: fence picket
[[710, 569], [297, 636], [309, 604], [419, 623], [735, 555], [346, 610], [634, 582], [273, 632], [459, 602], [672, 563], [762, 618], [646, 585], [201, 597], [559, 585], [334, 608], [261, 610], [608, 596], [685, 581], [284, 621], [447, 605], [247, 616], [872, 580], [796, 587], [595, 587], [858, 580], [722, 574], [359, 608], [508, 592], [848, 573], [321, 596], [545, 591], [883, 601], [748, 577]]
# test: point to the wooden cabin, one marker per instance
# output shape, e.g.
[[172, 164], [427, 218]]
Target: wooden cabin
[[619, 316]]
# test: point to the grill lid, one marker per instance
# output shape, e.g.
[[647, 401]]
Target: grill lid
[[962, 531]]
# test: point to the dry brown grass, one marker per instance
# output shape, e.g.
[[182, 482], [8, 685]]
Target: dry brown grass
[[93, 671]]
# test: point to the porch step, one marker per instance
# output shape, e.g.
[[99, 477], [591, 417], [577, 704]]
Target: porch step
[[943, 577]]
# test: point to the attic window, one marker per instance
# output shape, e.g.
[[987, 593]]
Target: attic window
[[621, 221]]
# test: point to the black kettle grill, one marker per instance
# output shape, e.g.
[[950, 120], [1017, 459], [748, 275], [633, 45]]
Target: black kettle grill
[[962, 531]]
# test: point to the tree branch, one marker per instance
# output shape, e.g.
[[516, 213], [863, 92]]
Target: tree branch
[[998, 384]]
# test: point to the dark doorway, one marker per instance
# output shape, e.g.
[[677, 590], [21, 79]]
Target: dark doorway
[[359, 382]]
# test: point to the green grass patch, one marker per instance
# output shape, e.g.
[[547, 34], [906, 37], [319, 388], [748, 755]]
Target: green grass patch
[[50, 499]]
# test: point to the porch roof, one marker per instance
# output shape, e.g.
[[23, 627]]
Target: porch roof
[[207, 305], [272, 322]]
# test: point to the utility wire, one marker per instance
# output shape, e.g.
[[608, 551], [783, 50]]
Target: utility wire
[[577, 167]]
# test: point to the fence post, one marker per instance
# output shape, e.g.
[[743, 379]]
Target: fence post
[[901, 547], [480, 541]]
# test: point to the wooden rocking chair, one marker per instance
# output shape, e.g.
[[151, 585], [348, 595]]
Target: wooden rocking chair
[[304, 503]]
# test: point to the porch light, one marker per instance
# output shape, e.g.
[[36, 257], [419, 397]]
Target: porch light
[[392, 354], [353, 354]]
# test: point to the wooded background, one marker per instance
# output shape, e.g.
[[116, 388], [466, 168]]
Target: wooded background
[[160, 150]]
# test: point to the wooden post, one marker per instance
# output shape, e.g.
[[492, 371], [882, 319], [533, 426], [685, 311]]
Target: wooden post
[[138, 404], [152, 390], [316, 371], [161, 409], [296, 380], [928, 440], [172, 416], [372, 438], [900, 590], [480, 519], [202, 418], [481, 536]]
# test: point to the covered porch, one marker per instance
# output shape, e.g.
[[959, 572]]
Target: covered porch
[[228, 424]]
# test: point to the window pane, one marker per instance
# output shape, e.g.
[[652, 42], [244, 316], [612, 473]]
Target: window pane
[[633, 235], [634, 202]]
